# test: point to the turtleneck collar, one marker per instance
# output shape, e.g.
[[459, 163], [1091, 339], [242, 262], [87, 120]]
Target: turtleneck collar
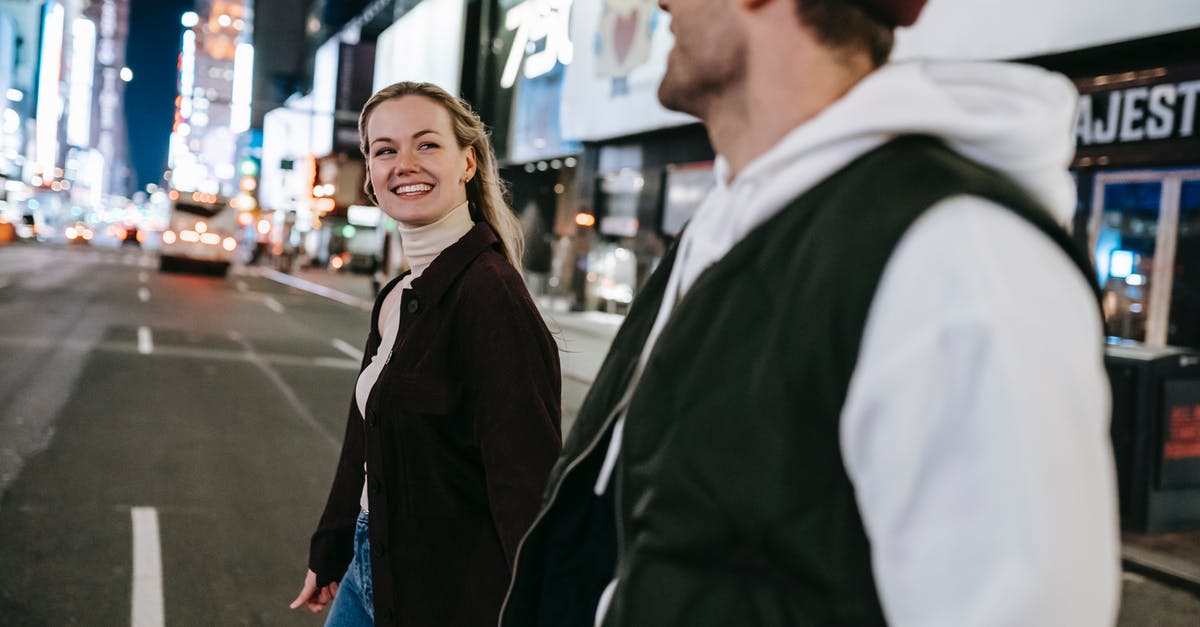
[[423, 244]]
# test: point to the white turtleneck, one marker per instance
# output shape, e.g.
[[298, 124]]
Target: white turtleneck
[[422, 244]]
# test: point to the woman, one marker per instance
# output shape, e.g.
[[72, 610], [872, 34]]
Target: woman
[[455, 419]]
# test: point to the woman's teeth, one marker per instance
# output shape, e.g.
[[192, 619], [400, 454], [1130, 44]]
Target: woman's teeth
[[412, 189]]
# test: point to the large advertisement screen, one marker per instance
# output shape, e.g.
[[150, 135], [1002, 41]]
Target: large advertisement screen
[[611, 87], [1010, 29], [425, 45]]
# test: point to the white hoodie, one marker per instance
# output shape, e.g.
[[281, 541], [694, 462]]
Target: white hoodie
[[975, 429]]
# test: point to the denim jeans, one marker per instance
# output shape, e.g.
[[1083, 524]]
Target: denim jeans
[[352, 607]]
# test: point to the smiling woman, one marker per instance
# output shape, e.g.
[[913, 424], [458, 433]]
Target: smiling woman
[[461, 377]]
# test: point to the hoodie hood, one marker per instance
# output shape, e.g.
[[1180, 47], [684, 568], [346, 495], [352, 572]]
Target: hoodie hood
[[1016, 119]]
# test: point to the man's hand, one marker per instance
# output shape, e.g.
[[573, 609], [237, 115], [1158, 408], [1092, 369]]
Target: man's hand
[[315, 598]]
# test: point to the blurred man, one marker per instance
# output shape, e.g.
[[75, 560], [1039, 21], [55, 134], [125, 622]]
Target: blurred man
[[867, 388]]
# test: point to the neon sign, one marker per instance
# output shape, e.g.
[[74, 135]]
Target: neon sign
[[538, 21]]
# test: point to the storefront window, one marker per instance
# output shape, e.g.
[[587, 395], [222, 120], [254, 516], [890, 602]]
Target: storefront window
[[1125, 247], [1184, 328]]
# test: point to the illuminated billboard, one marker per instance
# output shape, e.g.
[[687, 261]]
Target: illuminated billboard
[[426, 44]]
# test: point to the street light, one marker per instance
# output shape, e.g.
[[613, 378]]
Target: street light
[[189, 19], [127, 74]]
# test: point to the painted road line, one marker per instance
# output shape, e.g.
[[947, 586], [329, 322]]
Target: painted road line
[[345, 347], [289, 394], [143, 294], [145, 341], [241, 286], [147, 569], [147, 262], [129, 260], [143, 277], [319, 290], [273, 305], [4, 283]]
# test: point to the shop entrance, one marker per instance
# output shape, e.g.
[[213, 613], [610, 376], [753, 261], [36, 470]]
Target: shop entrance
[[1145, 235]]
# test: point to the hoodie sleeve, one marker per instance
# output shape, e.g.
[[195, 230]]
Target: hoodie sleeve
[[975, 430]]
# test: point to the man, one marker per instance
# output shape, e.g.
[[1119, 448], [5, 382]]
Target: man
[[868, 386]]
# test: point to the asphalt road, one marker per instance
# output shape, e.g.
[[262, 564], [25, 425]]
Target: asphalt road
[[217, 402]]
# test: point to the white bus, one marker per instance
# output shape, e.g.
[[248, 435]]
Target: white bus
[[201, 234]]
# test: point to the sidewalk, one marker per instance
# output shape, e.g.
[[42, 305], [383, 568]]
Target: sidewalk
[[584, 338]]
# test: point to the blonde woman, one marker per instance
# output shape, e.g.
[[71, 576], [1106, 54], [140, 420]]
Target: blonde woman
[[455, 421]]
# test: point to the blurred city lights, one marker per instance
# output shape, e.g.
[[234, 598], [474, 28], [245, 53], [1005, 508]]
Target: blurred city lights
[[189, 19], [15, 95], [585, 219], [126, 74]]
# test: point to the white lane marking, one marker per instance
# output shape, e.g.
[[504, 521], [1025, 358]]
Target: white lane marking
[[241, 286], [145, 341], [147, 569], [128, 260], [314, 288], [289, 394], [143, 277], [273, 305], [345, 347], [4, 283], [143, 294], [147, 262]]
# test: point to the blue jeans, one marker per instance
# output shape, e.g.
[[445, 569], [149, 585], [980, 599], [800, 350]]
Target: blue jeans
[[352, 607]]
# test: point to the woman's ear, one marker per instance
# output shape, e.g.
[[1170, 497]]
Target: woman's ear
[[471, 165]]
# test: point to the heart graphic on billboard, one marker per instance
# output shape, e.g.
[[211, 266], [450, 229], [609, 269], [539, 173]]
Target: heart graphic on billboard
[[623, 32]]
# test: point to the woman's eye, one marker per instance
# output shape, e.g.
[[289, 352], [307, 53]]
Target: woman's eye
[[384, 151], [428, 145]]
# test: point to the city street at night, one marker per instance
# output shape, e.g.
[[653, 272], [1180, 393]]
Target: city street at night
[[218, 403], [897, 303]]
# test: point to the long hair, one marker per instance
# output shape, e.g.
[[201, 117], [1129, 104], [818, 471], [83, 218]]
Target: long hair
[[485, 191]]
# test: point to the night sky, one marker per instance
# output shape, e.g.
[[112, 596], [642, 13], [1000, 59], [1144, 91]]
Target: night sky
[[152, 54]]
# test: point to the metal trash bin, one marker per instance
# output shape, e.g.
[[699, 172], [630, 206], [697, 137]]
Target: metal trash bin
[[1156, 436]]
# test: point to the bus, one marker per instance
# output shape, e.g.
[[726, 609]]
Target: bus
[[201, 234]]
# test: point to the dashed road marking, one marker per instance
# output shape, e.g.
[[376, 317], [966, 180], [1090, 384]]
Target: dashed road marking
[[147, 262], [273, 305], [129, 261], [4, 283], [241, 286], [143, 294], [145, 341], [143, 277], [345, 347], [147, 598]]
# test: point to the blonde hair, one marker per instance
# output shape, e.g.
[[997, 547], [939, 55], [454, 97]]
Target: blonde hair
[[485, 191]]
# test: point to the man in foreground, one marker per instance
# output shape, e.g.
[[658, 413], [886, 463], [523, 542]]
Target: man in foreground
[[867, 387]]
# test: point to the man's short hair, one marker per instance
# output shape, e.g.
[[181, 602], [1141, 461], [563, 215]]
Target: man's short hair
[[844, 24]]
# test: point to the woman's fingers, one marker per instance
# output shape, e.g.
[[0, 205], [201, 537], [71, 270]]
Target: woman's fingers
[[306, 591]]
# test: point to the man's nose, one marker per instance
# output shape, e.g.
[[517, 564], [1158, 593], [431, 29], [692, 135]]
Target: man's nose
[[664, 5]]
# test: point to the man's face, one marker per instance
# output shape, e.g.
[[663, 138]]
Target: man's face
[[708, 57]]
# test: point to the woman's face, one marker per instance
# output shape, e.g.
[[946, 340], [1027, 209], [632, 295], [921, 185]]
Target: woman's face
[[416, 167]]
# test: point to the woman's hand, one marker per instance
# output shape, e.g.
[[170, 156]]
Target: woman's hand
[[315, 598]]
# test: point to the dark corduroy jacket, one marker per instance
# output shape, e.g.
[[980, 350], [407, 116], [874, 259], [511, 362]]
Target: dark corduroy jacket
[[460, 433]]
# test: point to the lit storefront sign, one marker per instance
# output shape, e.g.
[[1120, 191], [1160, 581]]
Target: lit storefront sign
[[243, 83], [48, 106], [83, 57], [1143, 116], [544, 22]]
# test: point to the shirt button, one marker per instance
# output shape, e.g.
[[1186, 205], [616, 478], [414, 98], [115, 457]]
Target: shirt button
[[413, 306], [376, 486], [372, 420]]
